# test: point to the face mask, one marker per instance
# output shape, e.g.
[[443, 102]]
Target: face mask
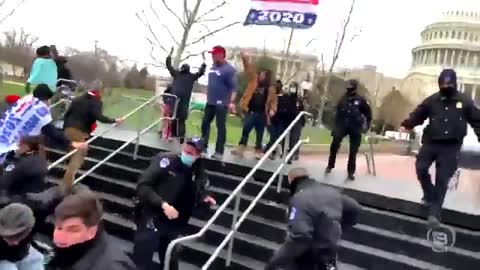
[[187, 159], [351, 91], [447, 91], [292, 90]]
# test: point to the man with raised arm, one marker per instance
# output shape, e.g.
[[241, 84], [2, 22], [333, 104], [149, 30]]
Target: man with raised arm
[[182, 86]]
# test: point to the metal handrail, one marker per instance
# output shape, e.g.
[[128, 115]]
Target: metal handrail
[[140, 133], [60, 160], [237, 224], [234, 193]]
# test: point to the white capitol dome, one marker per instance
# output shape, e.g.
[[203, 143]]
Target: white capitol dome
[[451, 42]]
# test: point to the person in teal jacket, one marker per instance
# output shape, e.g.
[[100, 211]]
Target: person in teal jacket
[[44, 70]]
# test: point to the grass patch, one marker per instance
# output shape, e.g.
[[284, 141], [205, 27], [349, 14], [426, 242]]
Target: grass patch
[[116, 104]]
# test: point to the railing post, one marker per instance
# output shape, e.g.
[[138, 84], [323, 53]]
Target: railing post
[[286, 145], [139, 130], [228, 261], [372, 156], [280, 177], [367, 159]]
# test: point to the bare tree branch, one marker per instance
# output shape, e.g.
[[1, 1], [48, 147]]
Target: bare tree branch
[[11, 12], [184, 39], [342, 38], [173, 13], [152, 50], [186, 12], [201, 17], [336, 52], [191, 55], [311, 41], [163, 25], [212, 33], [206, 27], [212, 19], [147, 24]]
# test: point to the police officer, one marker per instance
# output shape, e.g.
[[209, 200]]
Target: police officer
[[168, 191], [353, 117], [448, 112], [317, 216]]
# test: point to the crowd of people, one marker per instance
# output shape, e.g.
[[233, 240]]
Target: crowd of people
[[265, 103], [174, 186]]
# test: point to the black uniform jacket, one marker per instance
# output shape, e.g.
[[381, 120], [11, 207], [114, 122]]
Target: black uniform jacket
[[317, 216], [353, 113], [448, 118], [168, 180]]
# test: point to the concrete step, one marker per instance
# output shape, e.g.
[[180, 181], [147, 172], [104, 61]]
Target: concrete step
[[250, 252], [392, 205], [271, 210], [267, 231]]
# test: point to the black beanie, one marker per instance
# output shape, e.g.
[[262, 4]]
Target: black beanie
[[42, 92], [449, 74], [353, 83]]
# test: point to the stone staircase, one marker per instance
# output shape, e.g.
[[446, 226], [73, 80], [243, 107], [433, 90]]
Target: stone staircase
[[390, 235]]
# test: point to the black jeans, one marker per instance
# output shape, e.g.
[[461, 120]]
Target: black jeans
[[253, 120], [277, 128], [355, 137], [295, 135], [220, 114], [445, 157], [178, 125], [148, 240]]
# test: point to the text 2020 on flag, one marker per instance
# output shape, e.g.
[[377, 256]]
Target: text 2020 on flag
[[283, 13]]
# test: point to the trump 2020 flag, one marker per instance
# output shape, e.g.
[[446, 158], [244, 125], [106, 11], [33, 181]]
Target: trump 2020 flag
[[27, 117], [283, 13]]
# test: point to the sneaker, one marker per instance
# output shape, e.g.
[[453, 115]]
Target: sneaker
[[426, 202], [217, 156], [351, 177], [328, 170], [239, 151], [258, 154], [433, 221]]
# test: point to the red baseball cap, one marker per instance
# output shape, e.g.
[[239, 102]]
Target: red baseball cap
[[11, 99], [218, 49]]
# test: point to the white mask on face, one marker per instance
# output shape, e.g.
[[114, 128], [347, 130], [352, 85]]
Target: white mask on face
[[292, 90]]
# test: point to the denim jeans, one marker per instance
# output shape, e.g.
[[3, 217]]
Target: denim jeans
[[253, 120], [33, 261], [220, 114]]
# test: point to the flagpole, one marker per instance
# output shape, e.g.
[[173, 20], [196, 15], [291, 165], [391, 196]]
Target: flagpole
[[286, 55]]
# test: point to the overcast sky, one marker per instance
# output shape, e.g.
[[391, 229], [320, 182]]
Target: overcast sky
[[388, 29]]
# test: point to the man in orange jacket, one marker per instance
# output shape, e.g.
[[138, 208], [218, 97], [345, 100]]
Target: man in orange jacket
[[259, 102]]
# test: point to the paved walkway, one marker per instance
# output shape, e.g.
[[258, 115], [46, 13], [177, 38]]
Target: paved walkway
[[395, 174]]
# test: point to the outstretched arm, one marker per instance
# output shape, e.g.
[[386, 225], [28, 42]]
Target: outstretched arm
[[418, 116], [201, 71], [473, 118], [168, 63]]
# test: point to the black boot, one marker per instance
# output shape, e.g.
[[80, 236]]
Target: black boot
[[351, 177]]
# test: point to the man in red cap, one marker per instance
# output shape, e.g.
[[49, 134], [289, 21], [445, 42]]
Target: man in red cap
[[220, 98]]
